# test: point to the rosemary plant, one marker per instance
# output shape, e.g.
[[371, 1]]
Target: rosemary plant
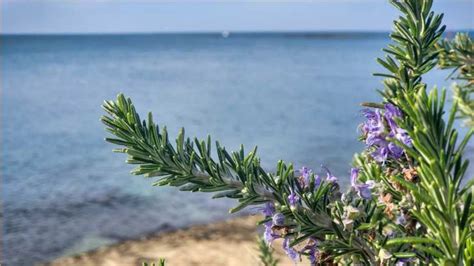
[[266, 253], [407, 202], [161, 262], [458, 55]]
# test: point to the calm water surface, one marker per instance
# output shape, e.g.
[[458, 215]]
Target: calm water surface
[[295, 96]]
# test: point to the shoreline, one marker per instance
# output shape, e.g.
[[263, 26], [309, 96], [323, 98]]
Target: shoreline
[[229, 242]]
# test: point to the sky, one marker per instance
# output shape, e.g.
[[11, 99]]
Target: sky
[[151, 16]]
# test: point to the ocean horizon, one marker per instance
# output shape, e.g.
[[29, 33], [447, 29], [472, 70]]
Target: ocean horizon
[[318, 33]]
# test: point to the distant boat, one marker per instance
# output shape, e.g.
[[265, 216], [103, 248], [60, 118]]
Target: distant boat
[[225, 34]]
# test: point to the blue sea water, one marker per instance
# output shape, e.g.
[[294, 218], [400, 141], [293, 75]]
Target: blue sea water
[[296, 96]]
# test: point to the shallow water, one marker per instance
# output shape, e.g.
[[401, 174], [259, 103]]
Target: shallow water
[[295, 96]]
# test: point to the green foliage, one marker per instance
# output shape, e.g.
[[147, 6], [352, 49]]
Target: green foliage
[[441, 204], [266, 254], [233, 175], [425, 186], [413, 52], [189, 165], [161, 262], [458, 54]]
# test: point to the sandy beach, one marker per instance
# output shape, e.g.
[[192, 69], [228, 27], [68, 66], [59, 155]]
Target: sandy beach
[[231, 242]]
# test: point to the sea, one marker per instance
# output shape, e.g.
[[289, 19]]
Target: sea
[[294, 95]]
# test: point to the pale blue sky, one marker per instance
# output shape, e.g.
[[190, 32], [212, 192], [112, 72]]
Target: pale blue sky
[[118, 16]]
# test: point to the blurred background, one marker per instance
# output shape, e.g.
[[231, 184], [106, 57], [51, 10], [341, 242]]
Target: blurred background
[[287, 76]]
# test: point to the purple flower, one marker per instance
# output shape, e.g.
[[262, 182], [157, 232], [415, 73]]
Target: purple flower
[[305, 175], [291, 252], [375, 139], [401, 220], [278, 219], [329, 176], [405, 261], [268, 234], [369, 113], [376, 133], [402, 136], [363, 190], [392, 111], [305, 172], [269, 209], [395, 151], [312, 248], [317, 180], [354, 176], [293, 199], [312, 257], [381, 154], [374, 123]]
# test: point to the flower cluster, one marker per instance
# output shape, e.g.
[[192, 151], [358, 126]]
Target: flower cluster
[[269, 235], [305, 178], [380, 128], [276, 225], [275, 228], [363, 189]]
